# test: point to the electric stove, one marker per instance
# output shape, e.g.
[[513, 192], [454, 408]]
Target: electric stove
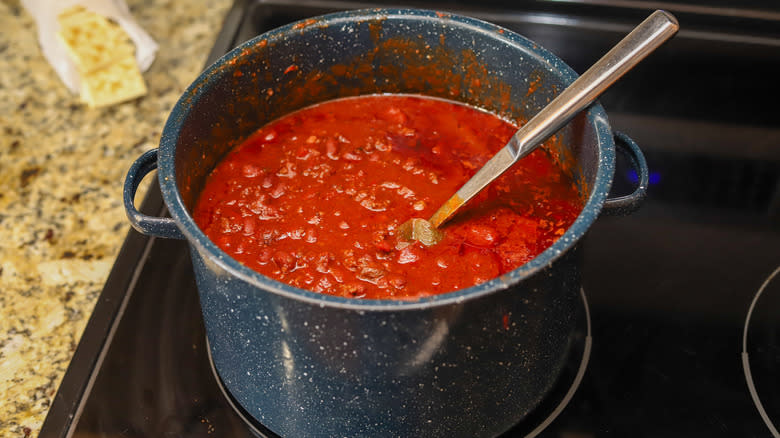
[[679, 323]]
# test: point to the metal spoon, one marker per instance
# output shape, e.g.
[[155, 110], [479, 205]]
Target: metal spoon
[[644, 39]]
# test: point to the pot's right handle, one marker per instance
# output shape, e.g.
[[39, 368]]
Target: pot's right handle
[[148, 225], [623, 205]]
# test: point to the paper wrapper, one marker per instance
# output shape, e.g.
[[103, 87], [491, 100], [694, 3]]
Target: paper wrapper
[[45, 13]]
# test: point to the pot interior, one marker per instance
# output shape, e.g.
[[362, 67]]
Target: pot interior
[[370, 52]]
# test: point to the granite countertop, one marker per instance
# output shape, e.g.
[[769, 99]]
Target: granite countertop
[[62, 166]]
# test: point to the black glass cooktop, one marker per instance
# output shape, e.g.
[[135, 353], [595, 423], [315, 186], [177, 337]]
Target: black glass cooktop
[[669, 288]]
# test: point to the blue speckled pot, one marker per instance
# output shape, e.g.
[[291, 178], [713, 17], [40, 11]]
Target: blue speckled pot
[[467, 363]]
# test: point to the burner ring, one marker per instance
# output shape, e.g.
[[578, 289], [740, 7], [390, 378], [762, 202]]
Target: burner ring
[[746, 360], [577, 378]]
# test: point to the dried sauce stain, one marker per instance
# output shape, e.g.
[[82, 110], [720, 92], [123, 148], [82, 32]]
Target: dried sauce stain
[[375, 30], [534, 84], [389, 65], [305, 23]]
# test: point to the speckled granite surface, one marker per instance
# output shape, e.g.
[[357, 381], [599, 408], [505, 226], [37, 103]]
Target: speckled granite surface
[[61, 172]]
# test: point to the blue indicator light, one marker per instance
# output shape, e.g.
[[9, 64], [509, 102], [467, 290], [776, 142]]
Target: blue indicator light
[[654, 177]]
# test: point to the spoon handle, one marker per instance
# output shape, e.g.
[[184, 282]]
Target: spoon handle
[[644, 39]]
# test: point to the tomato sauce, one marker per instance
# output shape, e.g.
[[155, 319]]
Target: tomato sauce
[[314, 199]]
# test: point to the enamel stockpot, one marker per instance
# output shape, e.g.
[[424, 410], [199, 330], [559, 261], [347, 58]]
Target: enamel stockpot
[[466, 363]]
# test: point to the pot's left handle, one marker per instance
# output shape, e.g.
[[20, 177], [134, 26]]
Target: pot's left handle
[[148, 225]]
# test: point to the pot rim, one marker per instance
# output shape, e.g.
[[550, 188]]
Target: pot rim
[[213, 254]]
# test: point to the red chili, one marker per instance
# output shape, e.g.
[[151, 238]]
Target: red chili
[[314, 198]]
